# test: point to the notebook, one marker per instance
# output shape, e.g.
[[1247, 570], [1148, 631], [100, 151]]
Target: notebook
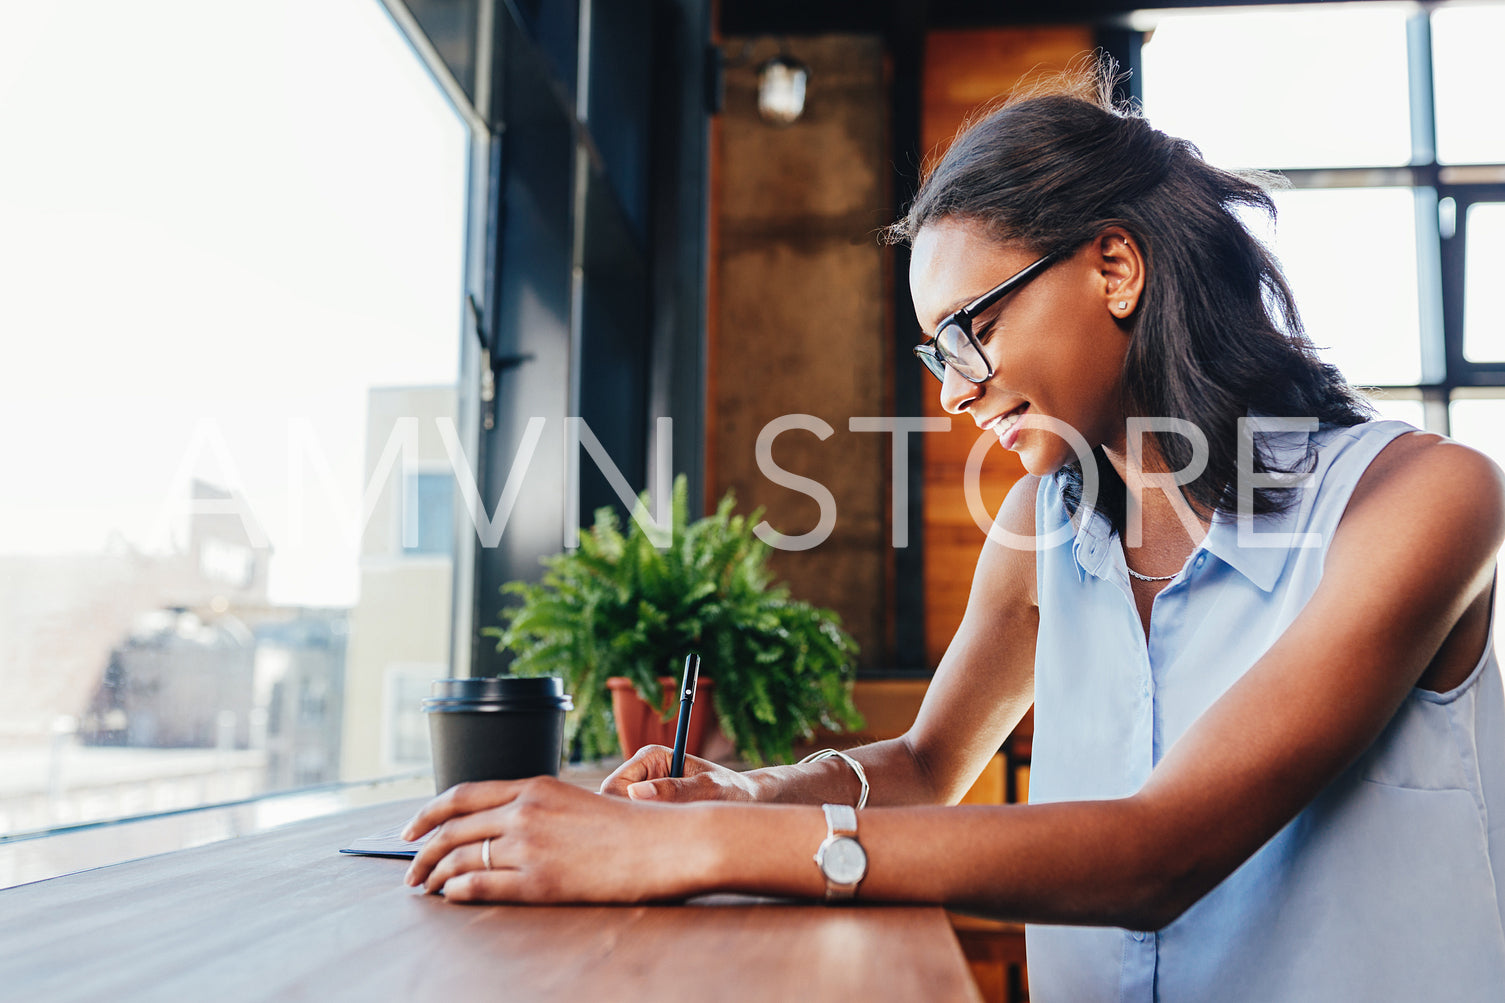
[[387, 843]]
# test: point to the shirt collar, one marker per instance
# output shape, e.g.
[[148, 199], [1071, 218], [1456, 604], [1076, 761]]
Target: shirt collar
[[1092, 547], [1261, 563], [1267, 543]]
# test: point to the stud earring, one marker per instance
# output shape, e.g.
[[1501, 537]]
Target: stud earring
[[1123, 304]]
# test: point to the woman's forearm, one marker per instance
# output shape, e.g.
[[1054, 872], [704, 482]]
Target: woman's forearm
[[895, 774], [1088, 862]]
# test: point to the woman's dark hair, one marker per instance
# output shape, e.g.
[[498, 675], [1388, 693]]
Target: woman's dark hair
[[1216, 334]]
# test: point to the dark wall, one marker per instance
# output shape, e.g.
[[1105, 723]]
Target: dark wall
[[802, 309], [595, 264]]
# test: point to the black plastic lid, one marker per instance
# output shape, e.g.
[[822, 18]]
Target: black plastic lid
[[485, 693]]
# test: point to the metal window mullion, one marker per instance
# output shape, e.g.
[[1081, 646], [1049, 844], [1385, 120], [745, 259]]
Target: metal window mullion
[[1430, 296], [433, 62], [583, 40], [581, 168], [488, 191], [577, 333], [1422, 100], [1450, 256], [1434, 410], [1430, 287], [485, 58], [1355, 177], [470, 410]]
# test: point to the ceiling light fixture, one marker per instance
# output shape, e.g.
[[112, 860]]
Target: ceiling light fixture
[[781, 89]]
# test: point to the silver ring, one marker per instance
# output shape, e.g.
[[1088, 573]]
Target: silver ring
[[486, 853]]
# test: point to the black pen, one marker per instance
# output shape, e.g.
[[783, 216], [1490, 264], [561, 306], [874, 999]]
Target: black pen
[[686, 705]]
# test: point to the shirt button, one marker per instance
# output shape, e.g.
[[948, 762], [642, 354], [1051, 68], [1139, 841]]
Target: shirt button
[[1201, 560], [1140, 936]]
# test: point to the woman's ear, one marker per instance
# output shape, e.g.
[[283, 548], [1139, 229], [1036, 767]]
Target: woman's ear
[[1121, 266]]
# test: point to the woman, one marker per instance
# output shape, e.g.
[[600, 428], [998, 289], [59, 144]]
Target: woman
[[1269, 759]]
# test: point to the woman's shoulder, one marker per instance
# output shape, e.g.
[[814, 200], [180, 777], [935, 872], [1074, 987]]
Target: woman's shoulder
[[1425, 477], [1018, 512], [1006, 566]]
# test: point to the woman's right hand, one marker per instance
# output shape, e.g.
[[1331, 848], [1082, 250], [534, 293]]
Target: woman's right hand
[[645, 777]]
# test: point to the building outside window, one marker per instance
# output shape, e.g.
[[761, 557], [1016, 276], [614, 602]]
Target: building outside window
[[405, 733], [233, 226], [429, 514]]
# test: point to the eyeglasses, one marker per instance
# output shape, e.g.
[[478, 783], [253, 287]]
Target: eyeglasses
[[954, 344]]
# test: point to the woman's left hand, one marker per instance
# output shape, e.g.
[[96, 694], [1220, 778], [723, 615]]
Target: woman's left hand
[[551, 842]]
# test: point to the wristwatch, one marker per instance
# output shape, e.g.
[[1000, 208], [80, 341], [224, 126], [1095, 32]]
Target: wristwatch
[[841, 858]]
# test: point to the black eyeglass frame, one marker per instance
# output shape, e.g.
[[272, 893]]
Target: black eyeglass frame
[[929, 352]]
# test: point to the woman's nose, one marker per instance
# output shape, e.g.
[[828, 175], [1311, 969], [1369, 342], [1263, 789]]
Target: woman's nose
[[957, 392]]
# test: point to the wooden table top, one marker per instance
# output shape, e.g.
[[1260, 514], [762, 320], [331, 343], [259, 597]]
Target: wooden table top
[[282, 915]]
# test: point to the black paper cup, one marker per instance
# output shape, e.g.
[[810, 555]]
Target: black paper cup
[[496, 728]]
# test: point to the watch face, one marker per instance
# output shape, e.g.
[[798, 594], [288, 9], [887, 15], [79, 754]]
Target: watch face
[[844, 862]]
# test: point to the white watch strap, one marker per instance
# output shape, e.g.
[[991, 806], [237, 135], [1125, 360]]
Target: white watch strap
[[841, 820], [816, 757]]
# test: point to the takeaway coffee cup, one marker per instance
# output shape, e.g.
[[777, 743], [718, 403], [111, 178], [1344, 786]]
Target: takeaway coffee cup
[[496, 728]]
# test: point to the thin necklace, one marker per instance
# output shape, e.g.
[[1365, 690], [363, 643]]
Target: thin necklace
[[1148, 578]]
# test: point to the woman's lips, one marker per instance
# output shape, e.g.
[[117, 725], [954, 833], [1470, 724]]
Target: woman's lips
[[1008, 427]]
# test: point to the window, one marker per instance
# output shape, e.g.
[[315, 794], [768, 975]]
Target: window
[[1465, 45], [1363, 310], [1484, 254], [1383, 118], [232, 244], [1241, 85], [428, 513], [405, 730]]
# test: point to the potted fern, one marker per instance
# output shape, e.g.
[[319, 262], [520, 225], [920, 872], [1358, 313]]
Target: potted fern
[[620, 607]]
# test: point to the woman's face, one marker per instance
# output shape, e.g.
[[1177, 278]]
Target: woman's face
[[1057, 345]]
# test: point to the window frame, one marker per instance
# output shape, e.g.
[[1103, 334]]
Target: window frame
[[1441, 258]]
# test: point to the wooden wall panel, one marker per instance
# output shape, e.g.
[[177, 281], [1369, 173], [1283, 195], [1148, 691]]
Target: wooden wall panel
[[966, 70]]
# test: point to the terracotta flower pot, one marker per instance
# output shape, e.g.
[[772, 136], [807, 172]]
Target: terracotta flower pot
[[639, 724]]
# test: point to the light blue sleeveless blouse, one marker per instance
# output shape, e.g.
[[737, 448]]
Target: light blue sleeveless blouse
[[1384, 888]]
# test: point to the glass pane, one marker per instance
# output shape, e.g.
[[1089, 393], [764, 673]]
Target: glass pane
[[429, 514], [1409, 411], [1481, 424], [228, 299], [1361, 310], [1484, 263], [1465, 81], [1301, 87]]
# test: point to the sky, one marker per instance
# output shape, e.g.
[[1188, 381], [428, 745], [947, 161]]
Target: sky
[[217, 221]]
